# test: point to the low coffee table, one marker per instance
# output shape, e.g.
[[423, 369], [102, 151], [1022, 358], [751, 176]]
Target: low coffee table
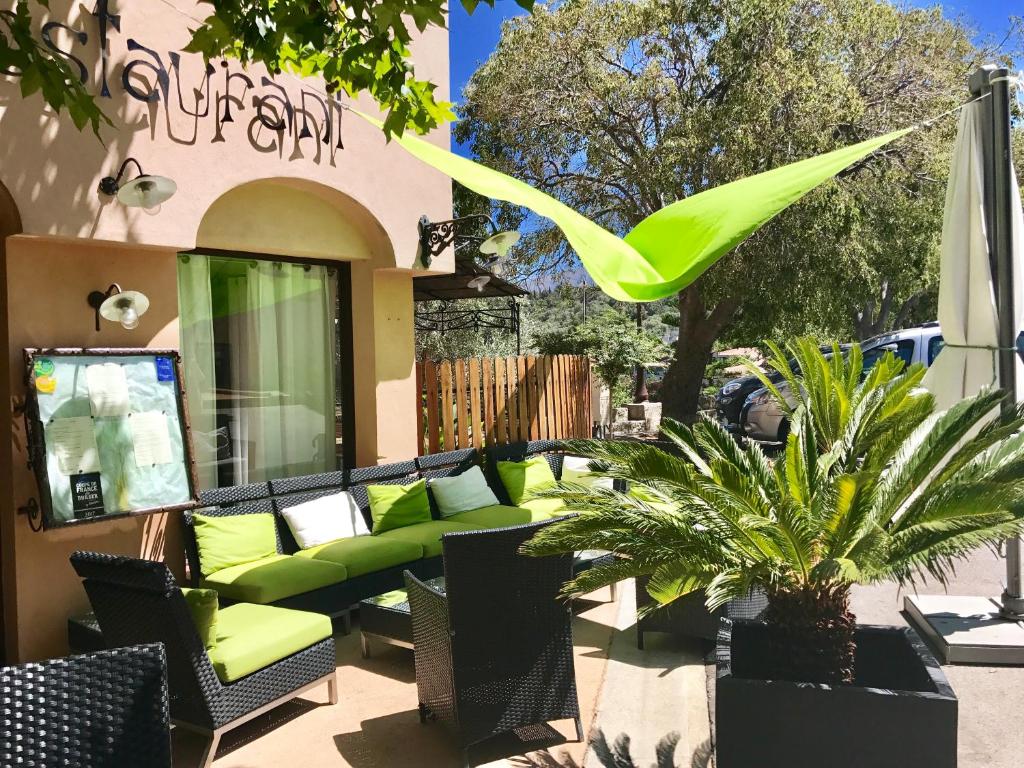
[[387, 617]]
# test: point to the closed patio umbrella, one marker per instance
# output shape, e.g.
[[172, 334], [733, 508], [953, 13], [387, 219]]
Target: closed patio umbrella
[[967, 303], [981, 311]]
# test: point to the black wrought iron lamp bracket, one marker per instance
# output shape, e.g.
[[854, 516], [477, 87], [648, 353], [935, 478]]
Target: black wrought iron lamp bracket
[[96, 299], [438, 235], [109, 185]]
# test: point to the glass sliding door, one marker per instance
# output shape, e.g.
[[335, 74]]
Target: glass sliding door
[[260, 351]]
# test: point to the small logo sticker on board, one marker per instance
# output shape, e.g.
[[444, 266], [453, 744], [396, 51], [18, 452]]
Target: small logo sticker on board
[[86, 495], [164, 369], [43, 367], [46, 385]]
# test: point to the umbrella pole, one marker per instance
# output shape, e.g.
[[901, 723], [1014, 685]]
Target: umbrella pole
[[999, 212]]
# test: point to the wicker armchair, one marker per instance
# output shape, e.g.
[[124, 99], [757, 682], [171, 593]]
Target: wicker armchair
[[138, 601], [102, 710], [494, 651]]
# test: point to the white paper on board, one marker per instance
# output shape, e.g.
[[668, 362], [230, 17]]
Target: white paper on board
[[108, 389], [74, 443], [151, 437]]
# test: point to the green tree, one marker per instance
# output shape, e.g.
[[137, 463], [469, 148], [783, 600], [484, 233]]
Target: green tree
[[356, 46], [620, 107], [872, 486], [614, 345]]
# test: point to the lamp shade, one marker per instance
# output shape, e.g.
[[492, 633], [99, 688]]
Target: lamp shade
[[125, 308], [146, 191], [479, 282], [499, 244]]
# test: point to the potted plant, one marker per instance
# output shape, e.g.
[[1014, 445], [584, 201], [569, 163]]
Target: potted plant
[[872, 485]]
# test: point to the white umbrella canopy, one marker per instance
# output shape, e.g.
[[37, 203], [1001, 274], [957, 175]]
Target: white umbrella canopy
[[967, 306]]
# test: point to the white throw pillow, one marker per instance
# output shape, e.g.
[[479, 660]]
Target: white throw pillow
[[328, 518], [576, 469], [462, 493]]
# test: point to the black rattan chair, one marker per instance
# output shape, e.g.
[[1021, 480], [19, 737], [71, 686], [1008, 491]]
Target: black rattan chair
[[494, 652], [101, 710], [139, 601]]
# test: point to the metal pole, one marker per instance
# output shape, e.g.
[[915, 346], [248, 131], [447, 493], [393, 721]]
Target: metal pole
[[999, 216], [640, 395]]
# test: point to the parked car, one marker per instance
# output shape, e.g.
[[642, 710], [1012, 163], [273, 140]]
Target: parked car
[[762, 418], [730, 398]]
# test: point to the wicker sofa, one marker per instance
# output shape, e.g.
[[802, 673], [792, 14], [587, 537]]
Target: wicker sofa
[[369, 565]]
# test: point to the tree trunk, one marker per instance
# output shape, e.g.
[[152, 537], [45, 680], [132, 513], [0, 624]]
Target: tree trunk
[[811, 634], [698, 330]]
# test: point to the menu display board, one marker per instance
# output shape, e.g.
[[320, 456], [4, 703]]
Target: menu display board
[[108, 433]]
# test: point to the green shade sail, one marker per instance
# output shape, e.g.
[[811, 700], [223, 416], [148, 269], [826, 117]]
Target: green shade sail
[[672, 247]]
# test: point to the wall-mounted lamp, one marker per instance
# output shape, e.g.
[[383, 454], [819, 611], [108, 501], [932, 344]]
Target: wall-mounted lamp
[[479, 282], [436, 236], [124, 307], [144, 191]]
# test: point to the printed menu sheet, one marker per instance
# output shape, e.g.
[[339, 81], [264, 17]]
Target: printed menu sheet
[[151, 437], [108, 389], [74, 443]]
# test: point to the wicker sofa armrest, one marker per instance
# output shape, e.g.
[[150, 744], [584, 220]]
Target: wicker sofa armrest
[[432, 644]]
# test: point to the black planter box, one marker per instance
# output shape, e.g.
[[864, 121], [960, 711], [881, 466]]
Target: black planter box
[[900, 712]]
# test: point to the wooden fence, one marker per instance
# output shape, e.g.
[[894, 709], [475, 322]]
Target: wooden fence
[[490, 401]]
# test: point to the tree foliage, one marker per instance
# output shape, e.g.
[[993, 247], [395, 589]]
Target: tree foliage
[[611, 340], [620, 107], [356, 46], [39, 70]]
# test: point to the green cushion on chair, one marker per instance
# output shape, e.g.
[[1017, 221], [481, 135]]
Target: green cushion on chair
[[498, 516], [394, 506], [365, 554], [202, 603], [251, 637], [428, 535], [524, 477], [274, 578], [545, 509], [233, 539]]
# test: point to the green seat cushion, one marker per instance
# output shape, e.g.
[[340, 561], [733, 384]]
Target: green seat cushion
[[274, 578], [365, 554], [233, 539], [202, 604], [251, 637], [545, 509], [428, 535], [395, 506], [498, 516], [522, 478]]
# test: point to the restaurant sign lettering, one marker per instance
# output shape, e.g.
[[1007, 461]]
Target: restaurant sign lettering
[[276, 119]]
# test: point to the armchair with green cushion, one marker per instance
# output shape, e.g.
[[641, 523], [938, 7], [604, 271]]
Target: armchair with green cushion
[[224, 665]]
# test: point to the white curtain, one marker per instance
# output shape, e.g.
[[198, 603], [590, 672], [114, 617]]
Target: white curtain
[[195, 310], [281, 335]]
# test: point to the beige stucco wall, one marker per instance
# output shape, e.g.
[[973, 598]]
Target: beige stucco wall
[[241, 188]]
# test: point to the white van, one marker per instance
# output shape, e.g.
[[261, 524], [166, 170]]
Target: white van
[[763, 419]]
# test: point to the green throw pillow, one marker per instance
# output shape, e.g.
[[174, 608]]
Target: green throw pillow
[[203, 605], [521, 478], [396, 506], [233, 540]]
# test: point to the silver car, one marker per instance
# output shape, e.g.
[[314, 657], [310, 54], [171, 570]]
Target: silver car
[[763, 419]]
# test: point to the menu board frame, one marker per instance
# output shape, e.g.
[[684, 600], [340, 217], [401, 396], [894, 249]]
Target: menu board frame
[[35, 434]]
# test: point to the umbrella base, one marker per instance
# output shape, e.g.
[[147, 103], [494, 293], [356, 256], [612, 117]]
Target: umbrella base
[[967, 630]]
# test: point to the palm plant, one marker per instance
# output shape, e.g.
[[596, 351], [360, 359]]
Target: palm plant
[[871, 485]]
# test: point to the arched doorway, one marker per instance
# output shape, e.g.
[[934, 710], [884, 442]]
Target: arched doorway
[[265, 304]]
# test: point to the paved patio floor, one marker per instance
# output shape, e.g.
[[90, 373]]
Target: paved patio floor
[[991, 698], [375, 722]]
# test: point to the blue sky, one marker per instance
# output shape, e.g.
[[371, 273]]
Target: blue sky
[[474, 37]]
